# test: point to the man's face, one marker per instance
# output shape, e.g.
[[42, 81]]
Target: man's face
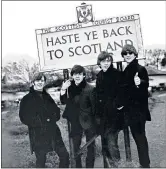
[[78, 78], [129, 56], [39, 84], [105, 64]]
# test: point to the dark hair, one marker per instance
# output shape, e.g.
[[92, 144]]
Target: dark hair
[[129, 48], [78, 69], [38, 76], [103, 55]]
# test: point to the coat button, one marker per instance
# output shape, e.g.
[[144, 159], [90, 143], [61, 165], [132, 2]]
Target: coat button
[[48, 120], [100, 100]]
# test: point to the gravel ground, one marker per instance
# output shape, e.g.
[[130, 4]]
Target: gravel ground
[[15, 141]]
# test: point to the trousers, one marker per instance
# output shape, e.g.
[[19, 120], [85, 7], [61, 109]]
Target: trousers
[[61, 151], [142, 144], [90, 150], [111, 150]]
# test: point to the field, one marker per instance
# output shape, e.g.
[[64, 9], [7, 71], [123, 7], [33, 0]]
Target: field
[[15, 139]]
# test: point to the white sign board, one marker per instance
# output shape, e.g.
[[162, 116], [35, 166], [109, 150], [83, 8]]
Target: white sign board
[[64, 46]]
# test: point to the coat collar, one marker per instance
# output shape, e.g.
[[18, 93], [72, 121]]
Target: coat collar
[[76, 90], [32, 91], [132, 65], [109, 70], [81, 85]]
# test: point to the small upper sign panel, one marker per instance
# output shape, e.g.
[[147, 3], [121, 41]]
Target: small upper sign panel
[[84, 13]]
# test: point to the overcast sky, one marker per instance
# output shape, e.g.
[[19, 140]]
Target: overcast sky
[[20, 19]]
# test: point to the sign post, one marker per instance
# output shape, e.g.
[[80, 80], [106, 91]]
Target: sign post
[[72, 154], [127, 143], [71, 145], [125, 129]]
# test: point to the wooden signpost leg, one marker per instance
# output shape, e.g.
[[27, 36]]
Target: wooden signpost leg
[[106, 163], [127, 143], [126, 129], [71, 145], [81, 150]]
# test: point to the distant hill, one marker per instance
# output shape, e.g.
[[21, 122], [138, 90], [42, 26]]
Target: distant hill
[[17, 58]]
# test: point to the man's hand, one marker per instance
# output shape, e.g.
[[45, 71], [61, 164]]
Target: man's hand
[[119, 108], [137, 80], [65, 85]]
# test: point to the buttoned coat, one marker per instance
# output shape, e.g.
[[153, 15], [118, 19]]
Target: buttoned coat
[[134, 98], [80, 107], [40, 114], [107, 86]]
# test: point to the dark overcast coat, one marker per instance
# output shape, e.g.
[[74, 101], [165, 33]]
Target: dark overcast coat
[[79, 105], [34, 112], [135, 99], [107, 86]]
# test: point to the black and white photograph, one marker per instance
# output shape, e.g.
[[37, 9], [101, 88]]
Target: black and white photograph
[[83, 84]]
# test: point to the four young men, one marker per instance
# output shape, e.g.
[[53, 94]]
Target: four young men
[[119, 99]]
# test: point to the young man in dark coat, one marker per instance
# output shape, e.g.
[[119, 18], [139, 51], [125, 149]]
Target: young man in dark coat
[[78, 97], [134, 98], [40, 113], [107, 110]]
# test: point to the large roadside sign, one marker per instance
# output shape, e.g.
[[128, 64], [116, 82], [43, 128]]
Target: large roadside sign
[[61, 47]]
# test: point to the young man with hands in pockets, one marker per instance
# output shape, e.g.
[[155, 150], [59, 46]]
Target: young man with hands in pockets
[[40, 113]]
